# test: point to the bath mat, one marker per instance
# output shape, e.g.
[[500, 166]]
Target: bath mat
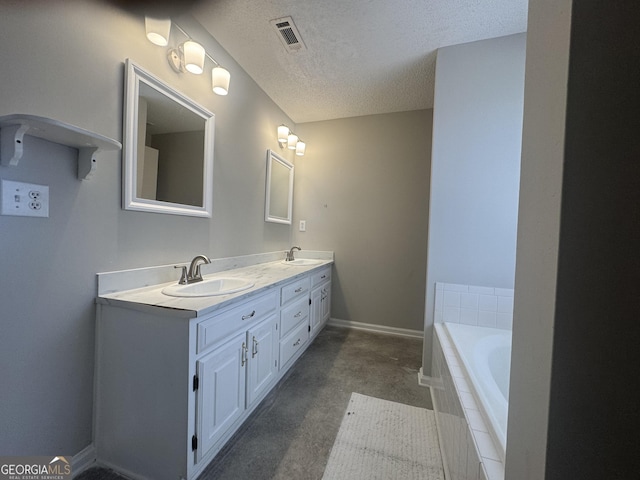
[[379, 439]]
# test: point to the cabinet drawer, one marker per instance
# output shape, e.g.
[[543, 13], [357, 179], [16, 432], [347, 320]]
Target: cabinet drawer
[[321, 276], [221, 325], [292, 290], [292, 315], [293, 343]]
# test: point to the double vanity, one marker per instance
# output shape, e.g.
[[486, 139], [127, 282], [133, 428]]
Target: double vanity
[[180, 367]]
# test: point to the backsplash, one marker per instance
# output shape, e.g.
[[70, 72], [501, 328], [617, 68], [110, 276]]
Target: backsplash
[[474, 305], [112, 282]]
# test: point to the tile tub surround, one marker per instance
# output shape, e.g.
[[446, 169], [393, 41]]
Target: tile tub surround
[[474, 305], [141, 288], [467, 448]]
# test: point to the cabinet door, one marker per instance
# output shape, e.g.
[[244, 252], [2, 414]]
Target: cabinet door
[[221, 391], [263, 344], [315, 316], [326, 303]]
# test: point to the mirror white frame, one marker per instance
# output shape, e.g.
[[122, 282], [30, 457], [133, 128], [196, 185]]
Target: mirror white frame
[[135, 77], [279, 190]]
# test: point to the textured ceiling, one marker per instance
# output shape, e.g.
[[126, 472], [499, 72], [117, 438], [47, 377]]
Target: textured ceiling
[[363, 56]]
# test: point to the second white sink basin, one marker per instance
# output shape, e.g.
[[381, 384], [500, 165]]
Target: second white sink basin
[[208, 287], [302, 262]]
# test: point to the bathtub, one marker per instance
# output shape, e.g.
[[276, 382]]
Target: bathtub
[[470, 390], [486, 355]]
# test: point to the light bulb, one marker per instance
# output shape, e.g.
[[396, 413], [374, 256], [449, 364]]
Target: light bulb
[[292, 140], [158, 30], [193, 56], [220, 80], [283, 133]]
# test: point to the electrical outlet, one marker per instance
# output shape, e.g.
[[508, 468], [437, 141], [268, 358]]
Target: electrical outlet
[[303, 225], [24, 199]]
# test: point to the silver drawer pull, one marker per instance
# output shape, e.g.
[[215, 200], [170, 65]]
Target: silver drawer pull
[[254, 350], [297, 343], [244, 317], [298, 290], [297, 314], [323, 276], [243, 354]]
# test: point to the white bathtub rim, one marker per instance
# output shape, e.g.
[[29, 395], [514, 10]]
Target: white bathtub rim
[[497, 427], [499, 446]]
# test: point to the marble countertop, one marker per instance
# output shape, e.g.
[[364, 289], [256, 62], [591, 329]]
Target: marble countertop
[[266, 276]]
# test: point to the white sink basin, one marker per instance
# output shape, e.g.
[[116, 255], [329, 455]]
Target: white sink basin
[[302, 262], [208, 287]]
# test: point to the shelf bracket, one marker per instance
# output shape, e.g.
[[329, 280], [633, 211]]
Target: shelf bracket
[[87, 162], [11, 144]]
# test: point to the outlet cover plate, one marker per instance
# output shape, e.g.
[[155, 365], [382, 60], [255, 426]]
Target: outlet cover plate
[[24, 199]]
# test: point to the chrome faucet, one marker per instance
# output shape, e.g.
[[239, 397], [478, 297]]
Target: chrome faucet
[[193, 275], [290, 257]]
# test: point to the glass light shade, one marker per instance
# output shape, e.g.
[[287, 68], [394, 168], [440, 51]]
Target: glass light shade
[[283, 133], [193, 57], [300, 148], [292, 139], [220, 80], [158, 30]]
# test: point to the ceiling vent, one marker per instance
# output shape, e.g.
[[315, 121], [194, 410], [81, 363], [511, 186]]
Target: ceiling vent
[[288, 34]]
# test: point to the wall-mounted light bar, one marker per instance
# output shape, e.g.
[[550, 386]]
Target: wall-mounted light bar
[[188, 56], [286, 138]]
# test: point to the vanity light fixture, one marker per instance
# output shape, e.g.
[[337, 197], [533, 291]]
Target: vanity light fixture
[[158, 30], [283, 133], [189, 56], [193, 57], [292, 139], [288, 139], [220, 77]]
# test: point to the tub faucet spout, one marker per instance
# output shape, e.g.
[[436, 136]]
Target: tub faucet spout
[[290, 257]]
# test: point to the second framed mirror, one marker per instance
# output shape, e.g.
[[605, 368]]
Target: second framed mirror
[[279, 190]]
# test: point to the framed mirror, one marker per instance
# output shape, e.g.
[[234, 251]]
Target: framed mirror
[[167, 148], [279, 190]]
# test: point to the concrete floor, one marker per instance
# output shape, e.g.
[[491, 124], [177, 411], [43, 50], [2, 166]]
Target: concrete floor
[[290, 434]]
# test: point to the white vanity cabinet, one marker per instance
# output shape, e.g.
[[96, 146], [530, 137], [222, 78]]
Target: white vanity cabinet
[[221, 386], [231, 378], [294, 319], [173, 385], [320, 300], [262, 358]]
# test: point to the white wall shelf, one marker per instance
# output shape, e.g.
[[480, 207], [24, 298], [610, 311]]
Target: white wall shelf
[[14, 127]]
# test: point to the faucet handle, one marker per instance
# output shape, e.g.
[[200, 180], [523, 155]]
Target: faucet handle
[[184, 276]]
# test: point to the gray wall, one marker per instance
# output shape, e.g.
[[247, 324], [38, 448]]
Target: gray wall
[[363, 188], [180, 164], [573, 407], [66, 62], [475, 167]]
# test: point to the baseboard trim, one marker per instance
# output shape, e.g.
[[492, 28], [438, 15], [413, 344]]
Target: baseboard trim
[[424, 380], [83, 460], [370, 327]]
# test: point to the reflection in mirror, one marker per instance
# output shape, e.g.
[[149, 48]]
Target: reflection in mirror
[[279, 189], [168, 149]]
